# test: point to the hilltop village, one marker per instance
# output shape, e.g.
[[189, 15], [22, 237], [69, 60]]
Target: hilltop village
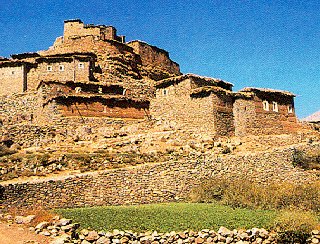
[[125, 112], [92, 72]]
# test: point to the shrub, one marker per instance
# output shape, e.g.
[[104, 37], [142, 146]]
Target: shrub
[[294, 226], [245, 193], [306, 160]]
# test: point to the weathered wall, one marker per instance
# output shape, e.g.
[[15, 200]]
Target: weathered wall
[[19, 108], [97, 107], [74, 29], [223, 114], [155, 58], [177, 106], [251, 118], [155, 182], [12, 79], [60, 71], [211, 114]]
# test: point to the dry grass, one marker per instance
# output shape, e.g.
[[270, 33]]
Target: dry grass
[[244, 193], [40, 213]]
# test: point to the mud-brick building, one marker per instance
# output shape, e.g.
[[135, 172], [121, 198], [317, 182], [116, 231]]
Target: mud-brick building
[[264, 111], [197, 103]]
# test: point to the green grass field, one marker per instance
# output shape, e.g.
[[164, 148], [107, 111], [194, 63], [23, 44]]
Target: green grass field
[[169, 217]]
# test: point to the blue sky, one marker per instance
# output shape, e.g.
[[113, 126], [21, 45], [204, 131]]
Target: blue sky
[[259, 43]]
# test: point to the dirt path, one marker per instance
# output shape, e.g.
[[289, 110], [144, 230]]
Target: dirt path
[[15, 234]]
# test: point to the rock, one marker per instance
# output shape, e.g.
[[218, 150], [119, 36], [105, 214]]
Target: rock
[[63, 222], [315, 240], [124, 239], [103, 240], [85, 242], [199, 240], [224, 231], [92, 236], [61, 239], [315, 232], [84, 232], [42, 225]]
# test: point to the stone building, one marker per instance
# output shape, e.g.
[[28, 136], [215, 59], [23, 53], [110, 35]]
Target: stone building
[[264, 111], [90, 71], [199, 103], [208, 105]]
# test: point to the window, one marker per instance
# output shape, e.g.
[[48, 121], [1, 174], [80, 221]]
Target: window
[[265, 105], [290, 109], [49, 68], [12, 72], [275, 106], [165, 92], [81, 65], [61, 67]]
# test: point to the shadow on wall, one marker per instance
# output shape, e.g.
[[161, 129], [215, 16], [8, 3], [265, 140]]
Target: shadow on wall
[[2, 189]]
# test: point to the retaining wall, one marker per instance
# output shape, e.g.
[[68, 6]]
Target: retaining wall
[[154, 182]]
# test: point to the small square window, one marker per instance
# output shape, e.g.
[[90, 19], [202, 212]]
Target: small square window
[[49, 68], [81, 65], [165, 92], [265, 105], [290, 109], [275, 107], [61, 67]]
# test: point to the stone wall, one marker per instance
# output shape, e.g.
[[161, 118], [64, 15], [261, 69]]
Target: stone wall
[[155, 182], [211, 114], [19, 108], [12, 79], [155, 58], [251, 118], [174, 104]]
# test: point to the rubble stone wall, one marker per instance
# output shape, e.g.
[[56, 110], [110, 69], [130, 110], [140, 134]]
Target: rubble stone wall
[[154, 182], [19, 108], [174, 104], [210, 114]]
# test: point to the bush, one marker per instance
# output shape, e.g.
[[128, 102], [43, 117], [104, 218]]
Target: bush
[[245, 193], [306, 160], [294, 226]]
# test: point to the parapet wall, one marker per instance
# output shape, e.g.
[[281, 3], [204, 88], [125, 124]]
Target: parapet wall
[[154, 182]]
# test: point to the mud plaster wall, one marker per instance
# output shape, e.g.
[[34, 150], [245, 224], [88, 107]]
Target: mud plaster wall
[[12, 80], [251, 118], [154, 182], [103, 108]]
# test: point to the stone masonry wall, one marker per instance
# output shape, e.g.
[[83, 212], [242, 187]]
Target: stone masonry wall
[[19, 108], [153, 57], [154, 182], [70, 71], [251, 118], [178, 107], [12, 80]]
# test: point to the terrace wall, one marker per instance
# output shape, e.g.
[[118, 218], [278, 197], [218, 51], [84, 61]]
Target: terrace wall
[[155, 182]]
